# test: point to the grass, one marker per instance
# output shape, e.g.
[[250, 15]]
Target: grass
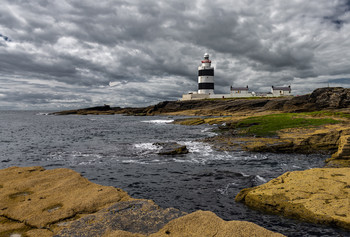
[[323, 113], [268, 125]]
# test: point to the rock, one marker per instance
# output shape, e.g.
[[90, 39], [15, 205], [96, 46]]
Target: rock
[[171, 148], [319, 99], [98, 110], [315, 195], [137, 216], [38, 233], [342, 157], [39, 197], [8, 227], [343, 149], [206, 223]]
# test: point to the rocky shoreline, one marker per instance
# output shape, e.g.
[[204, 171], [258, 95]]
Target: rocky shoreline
[[323, 103], [323, 126], [60, 202]]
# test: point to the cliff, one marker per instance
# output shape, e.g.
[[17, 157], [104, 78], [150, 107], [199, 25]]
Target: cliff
[[321, 99]]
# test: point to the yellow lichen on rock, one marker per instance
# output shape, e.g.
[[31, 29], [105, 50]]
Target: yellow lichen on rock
[[38, 197], [343, 149], [342, 157], [315, 195], [206, 223]]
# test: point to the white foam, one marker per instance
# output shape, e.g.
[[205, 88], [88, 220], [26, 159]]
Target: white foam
[[198, 147], [159, 121], [208, 132], [261, 179], [134, 162], [224, 191], [146, 146], [42, 113]]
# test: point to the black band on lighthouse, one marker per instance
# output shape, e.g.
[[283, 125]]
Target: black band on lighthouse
[[206, 72], [205, 86]]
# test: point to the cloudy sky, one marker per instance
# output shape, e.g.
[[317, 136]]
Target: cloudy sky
[[72, 53]]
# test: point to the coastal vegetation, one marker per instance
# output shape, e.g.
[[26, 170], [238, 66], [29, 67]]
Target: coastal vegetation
[[269, 125]]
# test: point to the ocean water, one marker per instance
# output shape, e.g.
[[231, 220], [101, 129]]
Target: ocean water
[[118, 151]]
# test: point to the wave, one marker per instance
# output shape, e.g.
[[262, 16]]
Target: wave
[[159, 121], [41, 113]]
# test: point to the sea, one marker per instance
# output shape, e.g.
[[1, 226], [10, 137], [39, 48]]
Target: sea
[[119, 151]]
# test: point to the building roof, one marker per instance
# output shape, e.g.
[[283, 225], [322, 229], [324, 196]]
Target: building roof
[[239, 88], [281, 88]]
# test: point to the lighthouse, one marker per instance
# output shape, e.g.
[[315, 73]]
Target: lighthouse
[[206, 76]]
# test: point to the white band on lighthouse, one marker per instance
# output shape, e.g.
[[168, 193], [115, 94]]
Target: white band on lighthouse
[[206, 77]]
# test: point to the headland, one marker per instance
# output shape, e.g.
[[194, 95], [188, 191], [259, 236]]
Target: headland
[[315, 123]]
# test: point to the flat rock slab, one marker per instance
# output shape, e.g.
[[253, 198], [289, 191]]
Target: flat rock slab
[[39, 197], [316, 195], [137, 216]]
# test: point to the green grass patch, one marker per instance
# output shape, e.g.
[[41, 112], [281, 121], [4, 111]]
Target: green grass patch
[[268, 125]]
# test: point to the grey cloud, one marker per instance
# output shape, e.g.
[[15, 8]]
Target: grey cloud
[[84, 45]]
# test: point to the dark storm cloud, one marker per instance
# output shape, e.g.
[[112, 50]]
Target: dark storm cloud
[[149, 51]]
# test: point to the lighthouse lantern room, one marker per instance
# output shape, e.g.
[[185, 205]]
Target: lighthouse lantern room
[[206, 76]]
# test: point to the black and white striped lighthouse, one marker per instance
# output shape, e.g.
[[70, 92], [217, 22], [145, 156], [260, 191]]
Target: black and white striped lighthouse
[[206, 77]]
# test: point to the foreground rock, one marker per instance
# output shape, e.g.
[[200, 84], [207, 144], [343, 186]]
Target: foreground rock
[[315, 195], [136, 216], [204, 223], [38, 197], [35, 202]]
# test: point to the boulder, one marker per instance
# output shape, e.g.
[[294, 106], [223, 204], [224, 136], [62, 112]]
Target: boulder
[[171, 148], [315, 195], [206, 223], [203, 223]]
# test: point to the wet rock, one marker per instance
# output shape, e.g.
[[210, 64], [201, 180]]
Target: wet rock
[[137, 216], [315, 195], [39, 197], [171, 148]]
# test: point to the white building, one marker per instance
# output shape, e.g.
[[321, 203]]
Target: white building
[[239, 90], [281, 91]]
